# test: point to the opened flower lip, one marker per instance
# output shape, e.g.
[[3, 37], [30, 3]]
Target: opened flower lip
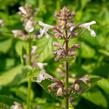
[[87, 26], [45, 29]]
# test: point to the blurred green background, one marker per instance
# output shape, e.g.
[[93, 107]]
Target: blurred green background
[[93, 58]]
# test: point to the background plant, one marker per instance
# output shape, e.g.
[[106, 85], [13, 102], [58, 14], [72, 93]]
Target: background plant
[[93, 57]]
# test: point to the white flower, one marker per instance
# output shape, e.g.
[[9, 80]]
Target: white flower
[[41, 65], [23, 10], [29, 25], [17, 32], [87, 26], [45, 29], [1, 22], [33, 49], [42, 76], [20, 34], [85, 79], [16, 106]]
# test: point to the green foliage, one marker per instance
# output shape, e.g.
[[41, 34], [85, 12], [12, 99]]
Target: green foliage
[[96, 97], [93, 58], [44, 48]]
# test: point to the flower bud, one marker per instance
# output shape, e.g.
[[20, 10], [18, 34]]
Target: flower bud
[[59, 92], [52, 87], [76, 87], [29, 25], [57, 44], [1, 22]]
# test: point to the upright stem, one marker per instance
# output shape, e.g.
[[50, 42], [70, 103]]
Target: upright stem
[[29, 78], [67, 97], [67, 73]]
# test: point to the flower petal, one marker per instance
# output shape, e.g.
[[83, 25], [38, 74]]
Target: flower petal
[[87, 26], [29, 26], [44, 30], [22, 10]]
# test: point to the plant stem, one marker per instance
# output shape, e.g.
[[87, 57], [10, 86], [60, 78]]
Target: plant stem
[[29, 78], [67, 73], [67, 98]]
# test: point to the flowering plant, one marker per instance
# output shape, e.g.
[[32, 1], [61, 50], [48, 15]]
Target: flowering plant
[[64, 32]]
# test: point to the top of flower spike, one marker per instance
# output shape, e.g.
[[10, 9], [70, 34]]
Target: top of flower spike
[[26, 10], [65, 14]]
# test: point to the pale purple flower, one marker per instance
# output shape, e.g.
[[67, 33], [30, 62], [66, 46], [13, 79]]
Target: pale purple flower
[[88, 27], [85, 79], [44, 30], [42, 76]]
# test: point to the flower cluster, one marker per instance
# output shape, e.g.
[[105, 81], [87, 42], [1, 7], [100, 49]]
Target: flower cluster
[[16, 105], [27, 14], [77, 87], [27, 17], [65, 31]]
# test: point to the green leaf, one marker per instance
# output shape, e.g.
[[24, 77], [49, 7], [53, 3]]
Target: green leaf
[[20, 46], [21, 76], [83, 3], [87, 51], [44, 49], [7, 100], [3, 106], [21, 92], [104, 85], [96, 97], [9, 75], [44, 80], [5, 45]]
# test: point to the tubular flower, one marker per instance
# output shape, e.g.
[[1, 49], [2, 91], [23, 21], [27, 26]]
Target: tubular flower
[[88, 27], [20, 33], [27, 14], [29, 25], [45, 29]]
